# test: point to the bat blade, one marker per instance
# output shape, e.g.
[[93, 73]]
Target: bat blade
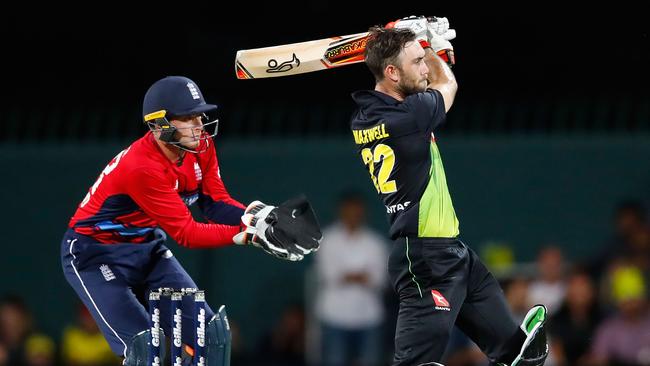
[[301, 57]]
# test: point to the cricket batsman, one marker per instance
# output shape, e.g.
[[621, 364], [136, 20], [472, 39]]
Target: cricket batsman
[[441, 282]]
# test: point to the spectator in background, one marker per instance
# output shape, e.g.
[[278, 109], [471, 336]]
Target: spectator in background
[[19, 343], [549, 287], [516, 291], [462, 351], [13, 329], [15, 325], [351, 271], [83, 344], [519, 293], [624, 338], [638, 250], [40, 350], [285, 344], [572, 328], [630, 223]]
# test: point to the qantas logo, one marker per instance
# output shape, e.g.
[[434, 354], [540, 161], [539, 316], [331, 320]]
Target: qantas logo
[[440, 301]]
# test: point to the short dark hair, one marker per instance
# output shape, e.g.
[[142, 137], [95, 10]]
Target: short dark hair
[[383, 48], [350, 195], [633, 207], [14, 301]]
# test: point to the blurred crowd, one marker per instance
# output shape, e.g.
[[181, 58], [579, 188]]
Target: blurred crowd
[[22, 344], [599, 312]]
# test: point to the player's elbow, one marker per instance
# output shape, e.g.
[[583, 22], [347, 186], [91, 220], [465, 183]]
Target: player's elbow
[[183, 237], [448, 91], [453, 84], [182, 241], [453, 88]]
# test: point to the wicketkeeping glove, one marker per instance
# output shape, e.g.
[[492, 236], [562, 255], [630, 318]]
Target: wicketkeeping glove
[[289, 231], [294, 223]]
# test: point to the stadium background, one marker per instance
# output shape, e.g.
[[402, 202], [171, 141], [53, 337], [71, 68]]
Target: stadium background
[[548, 134]]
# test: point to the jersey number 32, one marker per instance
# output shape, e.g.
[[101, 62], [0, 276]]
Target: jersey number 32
[[381, 154]]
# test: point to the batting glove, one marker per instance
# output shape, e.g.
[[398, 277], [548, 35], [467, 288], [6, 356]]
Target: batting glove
[[439, 36], [417, 24], [440, 26]]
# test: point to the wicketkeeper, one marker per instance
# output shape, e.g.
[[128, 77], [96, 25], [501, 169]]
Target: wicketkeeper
[[113, 253]]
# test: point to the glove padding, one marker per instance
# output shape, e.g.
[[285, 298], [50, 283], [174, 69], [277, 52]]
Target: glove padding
[[255, 231], [440, 26], [431, 32], [294, 224], [439, 36], [417, 24], [289, 231]]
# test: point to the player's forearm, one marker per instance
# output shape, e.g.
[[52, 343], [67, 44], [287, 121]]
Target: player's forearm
[[441, 77], [199, 235], [227, 212]]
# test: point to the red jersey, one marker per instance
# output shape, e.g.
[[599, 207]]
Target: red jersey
[[141, 189]]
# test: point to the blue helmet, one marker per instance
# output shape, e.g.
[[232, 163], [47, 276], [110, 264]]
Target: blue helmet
[[177, 96]]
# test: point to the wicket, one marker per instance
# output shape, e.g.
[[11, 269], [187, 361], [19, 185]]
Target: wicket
[[175, 297]]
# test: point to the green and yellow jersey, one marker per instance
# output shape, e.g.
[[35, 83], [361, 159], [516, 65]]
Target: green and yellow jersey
[[398, 148]]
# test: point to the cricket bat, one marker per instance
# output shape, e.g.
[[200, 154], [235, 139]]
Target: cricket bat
[[301, 57]]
